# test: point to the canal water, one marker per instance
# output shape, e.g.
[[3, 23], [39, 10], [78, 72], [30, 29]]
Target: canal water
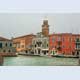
[[39, 61]]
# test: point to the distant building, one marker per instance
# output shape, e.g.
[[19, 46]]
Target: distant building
[[6, 47], [64, 43], [40, 44], [23, 43]]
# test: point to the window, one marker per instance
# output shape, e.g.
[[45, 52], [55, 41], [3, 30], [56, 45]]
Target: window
[[59, 38], [22, 46], [53, 39], [47, 45], [35, 45], [59, 43], [4, 50], [78, 46], [26, 51], [10, 44], [6, 44], [70, 46], [0, 45], [9, 51], [70, 39], [77, 40], [73, 39], [63, 39], [63, 46], [18, 45]]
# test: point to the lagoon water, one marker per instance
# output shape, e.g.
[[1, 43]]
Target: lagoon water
[[39, 61]]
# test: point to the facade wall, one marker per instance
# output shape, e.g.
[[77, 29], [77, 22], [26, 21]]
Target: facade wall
[[23, 43], [40, 45], [6, 48], [65, 41], [18, 44]]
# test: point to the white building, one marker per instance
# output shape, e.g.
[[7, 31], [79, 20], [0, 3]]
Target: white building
[[40, 44]]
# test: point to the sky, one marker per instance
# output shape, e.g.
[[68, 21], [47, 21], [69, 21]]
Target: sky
[[21, 17], [18, 24]]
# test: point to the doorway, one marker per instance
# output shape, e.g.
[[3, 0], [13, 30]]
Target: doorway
[[38, 51], [44, 52], [77, 53]]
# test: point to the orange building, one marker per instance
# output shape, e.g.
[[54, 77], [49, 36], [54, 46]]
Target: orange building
[[23, 43], [64, 43]]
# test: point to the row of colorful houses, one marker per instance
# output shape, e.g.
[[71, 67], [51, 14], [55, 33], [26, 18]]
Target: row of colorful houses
[[42, 43], [63, 43]]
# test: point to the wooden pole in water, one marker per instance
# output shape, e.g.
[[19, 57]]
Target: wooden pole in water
[[1, 60]]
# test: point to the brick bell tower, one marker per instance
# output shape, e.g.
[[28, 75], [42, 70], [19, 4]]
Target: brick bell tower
[[45, 28]]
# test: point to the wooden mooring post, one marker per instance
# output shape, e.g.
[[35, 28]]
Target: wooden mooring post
[[1, 60]]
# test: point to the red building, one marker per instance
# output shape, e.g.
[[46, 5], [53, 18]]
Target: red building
[[63, 43]]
